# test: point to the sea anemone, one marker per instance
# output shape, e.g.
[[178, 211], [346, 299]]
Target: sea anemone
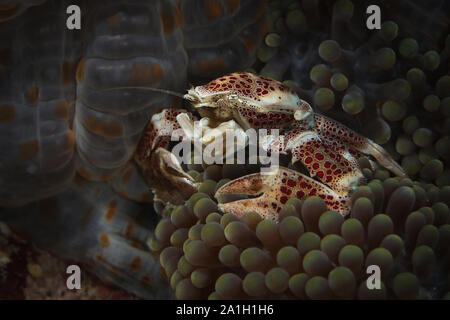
[[401, 226]]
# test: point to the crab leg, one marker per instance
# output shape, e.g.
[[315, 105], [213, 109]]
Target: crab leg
[[330, 162], [161, 168], [270, 192], [327, 128]]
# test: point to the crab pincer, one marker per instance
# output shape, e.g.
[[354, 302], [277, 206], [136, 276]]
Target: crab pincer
[[267, 193], [161, 169]]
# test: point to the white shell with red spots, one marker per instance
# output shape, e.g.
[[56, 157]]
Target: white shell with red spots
[[257, 90]]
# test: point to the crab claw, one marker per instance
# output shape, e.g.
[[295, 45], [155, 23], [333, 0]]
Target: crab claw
[[267, 193], [170, 183]]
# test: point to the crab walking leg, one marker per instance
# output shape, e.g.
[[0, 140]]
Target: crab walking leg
[[340, 147], [323, 160], [271, 192], [162, 170], [328, 159], [351, 155], [326, 127]]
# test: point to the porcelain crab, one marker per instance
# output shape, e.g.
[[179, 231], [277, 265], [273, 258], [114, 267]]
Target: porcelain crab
[[239, 101]]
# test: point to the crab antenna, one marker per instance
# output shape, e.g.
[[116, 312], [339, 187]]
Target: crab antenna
[[173, 93]]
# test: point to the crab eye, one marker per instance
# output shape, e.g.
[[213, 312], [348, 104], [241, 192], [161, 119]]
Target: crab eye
[[304, 111], [233, 97]]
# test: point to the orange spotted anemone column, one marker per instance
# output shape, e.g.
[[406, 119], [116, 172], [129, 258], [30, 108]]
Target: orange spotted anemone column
[[134, 43], [221, 36], [36, 102]]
